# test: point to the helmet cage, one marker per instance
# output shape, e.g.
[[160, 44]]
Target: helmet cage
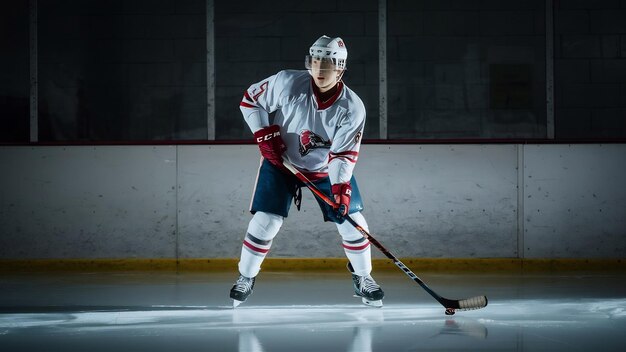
[[327, 63]]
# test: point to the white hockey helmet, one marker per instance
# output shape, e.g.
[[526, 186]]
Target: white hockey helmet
[[327, 48]]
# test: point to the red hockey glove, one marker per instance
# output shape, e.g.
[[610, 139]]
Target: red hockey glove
[[271, 144], [342, 193]]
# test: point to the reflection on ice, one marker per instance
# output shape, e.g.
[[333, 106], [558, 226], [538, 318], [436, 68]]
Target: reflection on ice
[[248, 342], [514, 325], [473, 328], [512, 312]]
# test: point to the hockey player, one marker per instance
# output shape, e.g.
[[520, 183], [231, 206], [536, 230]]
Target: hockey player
[[318, 126]]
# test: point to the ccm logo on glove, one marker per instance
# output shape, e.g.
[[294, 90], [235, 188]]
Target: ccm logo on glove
[[267, 137]]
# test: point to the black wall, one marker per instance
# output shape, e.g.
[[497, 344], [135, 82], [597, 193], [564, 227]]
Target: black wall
[[136, 70]]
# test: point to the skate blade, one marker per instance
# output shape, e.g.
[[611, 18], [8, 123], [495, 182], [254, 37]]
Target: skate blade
[[236, 303], [375, 304]]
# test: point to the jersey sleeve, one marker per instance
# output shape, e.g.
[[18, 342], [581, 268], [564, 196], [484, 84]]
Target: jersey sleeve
[[261, 99], [344, 150]]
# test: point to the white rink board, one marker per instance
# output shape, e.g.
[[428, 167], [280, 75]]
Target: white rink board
[[441, 200], [420, 201], [215, 184], [575, 201], [88, 202]]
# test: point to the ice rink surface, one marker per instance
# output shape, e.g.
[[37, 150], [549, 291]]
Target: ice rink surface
[[308, 311]]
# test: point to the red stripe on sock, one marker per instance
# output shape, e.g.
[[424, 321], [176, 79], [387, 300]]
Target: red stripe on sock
[[354, 248], [256, 249]]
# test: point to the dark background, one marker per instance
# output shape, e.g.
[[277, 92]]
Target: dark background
[[113, 70]]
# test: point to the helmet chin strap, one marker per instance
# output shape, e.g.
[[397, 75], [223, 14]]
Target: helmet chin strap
[[340, 75]]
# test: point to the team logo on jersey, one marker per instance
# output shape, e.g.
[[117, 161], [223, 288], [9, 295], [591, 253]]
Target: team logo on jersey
[[310, 141]]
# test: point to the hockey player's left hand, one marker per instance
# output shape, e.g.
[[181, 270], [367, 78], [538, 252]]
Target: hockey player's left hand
[[342, 193]]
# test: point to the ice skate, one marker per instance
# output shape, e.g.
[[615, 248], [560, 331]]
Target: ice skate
[[365, 287], [241, 290]]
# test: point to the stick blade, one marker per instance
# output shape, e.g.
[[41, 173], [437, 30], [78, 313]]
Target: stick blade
[[472, 303]]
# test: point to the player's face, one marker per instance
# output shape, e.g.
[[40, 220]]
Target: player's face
[[324, 73]]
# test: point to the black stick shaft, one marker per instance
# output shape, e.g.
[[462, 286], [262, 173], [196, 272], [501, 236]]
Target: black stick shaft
[[445, 302]]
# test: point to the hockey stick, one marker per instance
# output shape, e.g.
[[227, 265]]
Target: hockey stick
[[451, 305]]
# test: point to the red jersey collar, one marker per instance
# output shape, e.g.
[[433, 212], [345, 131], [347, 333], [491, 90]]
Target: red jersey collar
[[325, 105]]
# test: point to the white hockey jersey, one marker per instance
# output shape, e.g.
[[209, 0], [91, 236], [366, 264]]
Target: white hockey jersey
[[322, 138]]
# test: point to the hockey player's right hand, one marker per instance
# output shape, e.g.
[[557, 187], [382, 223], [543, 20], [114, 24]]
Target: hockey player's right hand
[[342, 193], [271, 144]]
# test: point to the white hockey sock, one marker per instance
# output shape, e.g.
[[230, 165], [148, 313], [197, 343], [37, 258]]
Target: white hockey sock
[[360, 255], [262, 229], [253, 253], [356, 247]]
